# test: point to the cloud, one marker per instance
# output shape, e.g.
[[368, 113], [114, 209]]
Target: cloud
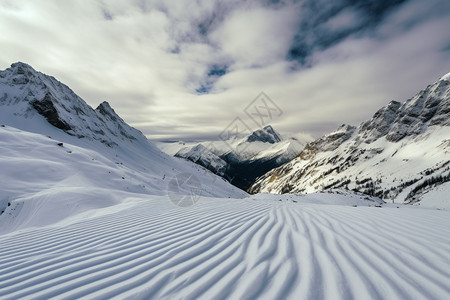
[[325, 23], [185, 70], [256, 37], [347, 19]]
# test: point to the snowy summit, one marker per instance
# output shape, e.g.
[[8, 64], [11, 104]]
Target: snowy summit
[[446, 77]]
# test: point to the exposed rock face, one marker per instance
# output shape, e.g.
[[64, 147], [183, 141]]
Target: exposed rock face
[[241, 161], [399, 149], [37, 93], [106, 110], [398, 120], [265, 135], [46, 108], [381, 122]]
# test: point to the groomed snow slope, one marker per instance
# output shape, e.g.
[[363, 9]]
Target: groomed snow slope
[[264, 247]]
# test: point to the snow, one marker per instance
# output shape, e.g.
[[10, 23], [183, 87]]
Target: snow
[[446, 77], [203, 156], [85, 219], [262, 247], [240, 160], [437, 197], [171, 148], [242, 149], [391, 155], [76, 229], [397, 162], [38, 175]]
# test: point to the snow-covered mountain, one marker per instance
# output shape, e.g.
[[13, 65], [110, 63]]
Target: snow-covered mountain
[[201, 155], [50, 137], [242, 159], [87, 215], [402, 154], [31, 95]]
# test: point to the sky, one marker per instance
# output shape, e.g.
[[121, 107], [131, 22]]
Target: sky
[[191, 70]]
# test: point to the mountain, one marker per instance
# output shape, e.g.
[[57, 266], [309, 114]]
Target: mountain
[[201, 155], [92, 215], [240, 160], [50, 137], [28, 94], [402, 154], [265, 135]]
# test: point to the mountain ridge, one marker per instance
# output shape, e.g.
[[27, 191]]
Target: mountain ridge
[[61, 107], [240, 160], [380, 157], [51, 117]]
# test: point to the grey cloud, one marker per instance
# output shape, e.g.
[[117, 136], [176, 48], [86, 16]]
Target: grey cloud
[[152, 58], [322, 24]]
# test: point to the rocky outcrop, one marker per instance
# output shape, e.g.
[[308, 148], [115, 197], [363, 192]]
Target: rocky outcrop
[[37, 93], [241, 161], [396, 151], [47, 109], [265, 135]]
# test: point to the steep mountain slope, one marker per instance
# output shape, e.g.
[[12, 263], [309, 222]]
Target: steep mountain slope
[[28, 94], [242, 159], [398, 155], [201, 155], [50, 139]]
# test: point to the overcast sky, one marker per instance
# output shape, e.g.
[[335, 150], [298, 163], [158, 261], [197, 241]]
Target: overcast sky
[[187, 69]]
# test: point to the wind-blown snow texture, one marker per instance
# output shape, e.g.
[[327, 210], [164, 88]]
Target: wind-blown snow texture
[[256, 248], [400, 155], [85, 215]]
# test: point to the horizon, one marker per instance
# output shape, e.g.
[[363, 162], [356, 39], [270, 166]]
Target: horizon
[[187, 72]]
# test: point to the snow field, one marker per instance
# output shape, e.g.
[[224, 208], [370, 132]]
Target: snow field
[[255, 248]]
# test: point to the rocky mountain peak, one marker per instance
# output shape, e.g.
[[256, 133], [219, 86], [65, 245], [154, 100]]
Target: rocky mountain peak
[[22, 68], [19, 73], [105, 109], [27, 93], [428, 108], [399, 154], [398, 120], [265, 135]]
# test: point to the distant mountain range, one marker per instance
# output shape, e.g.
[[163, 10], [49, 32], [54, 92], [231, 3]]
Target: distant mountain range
[[240, 160], [402, 154], [90, 209]]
